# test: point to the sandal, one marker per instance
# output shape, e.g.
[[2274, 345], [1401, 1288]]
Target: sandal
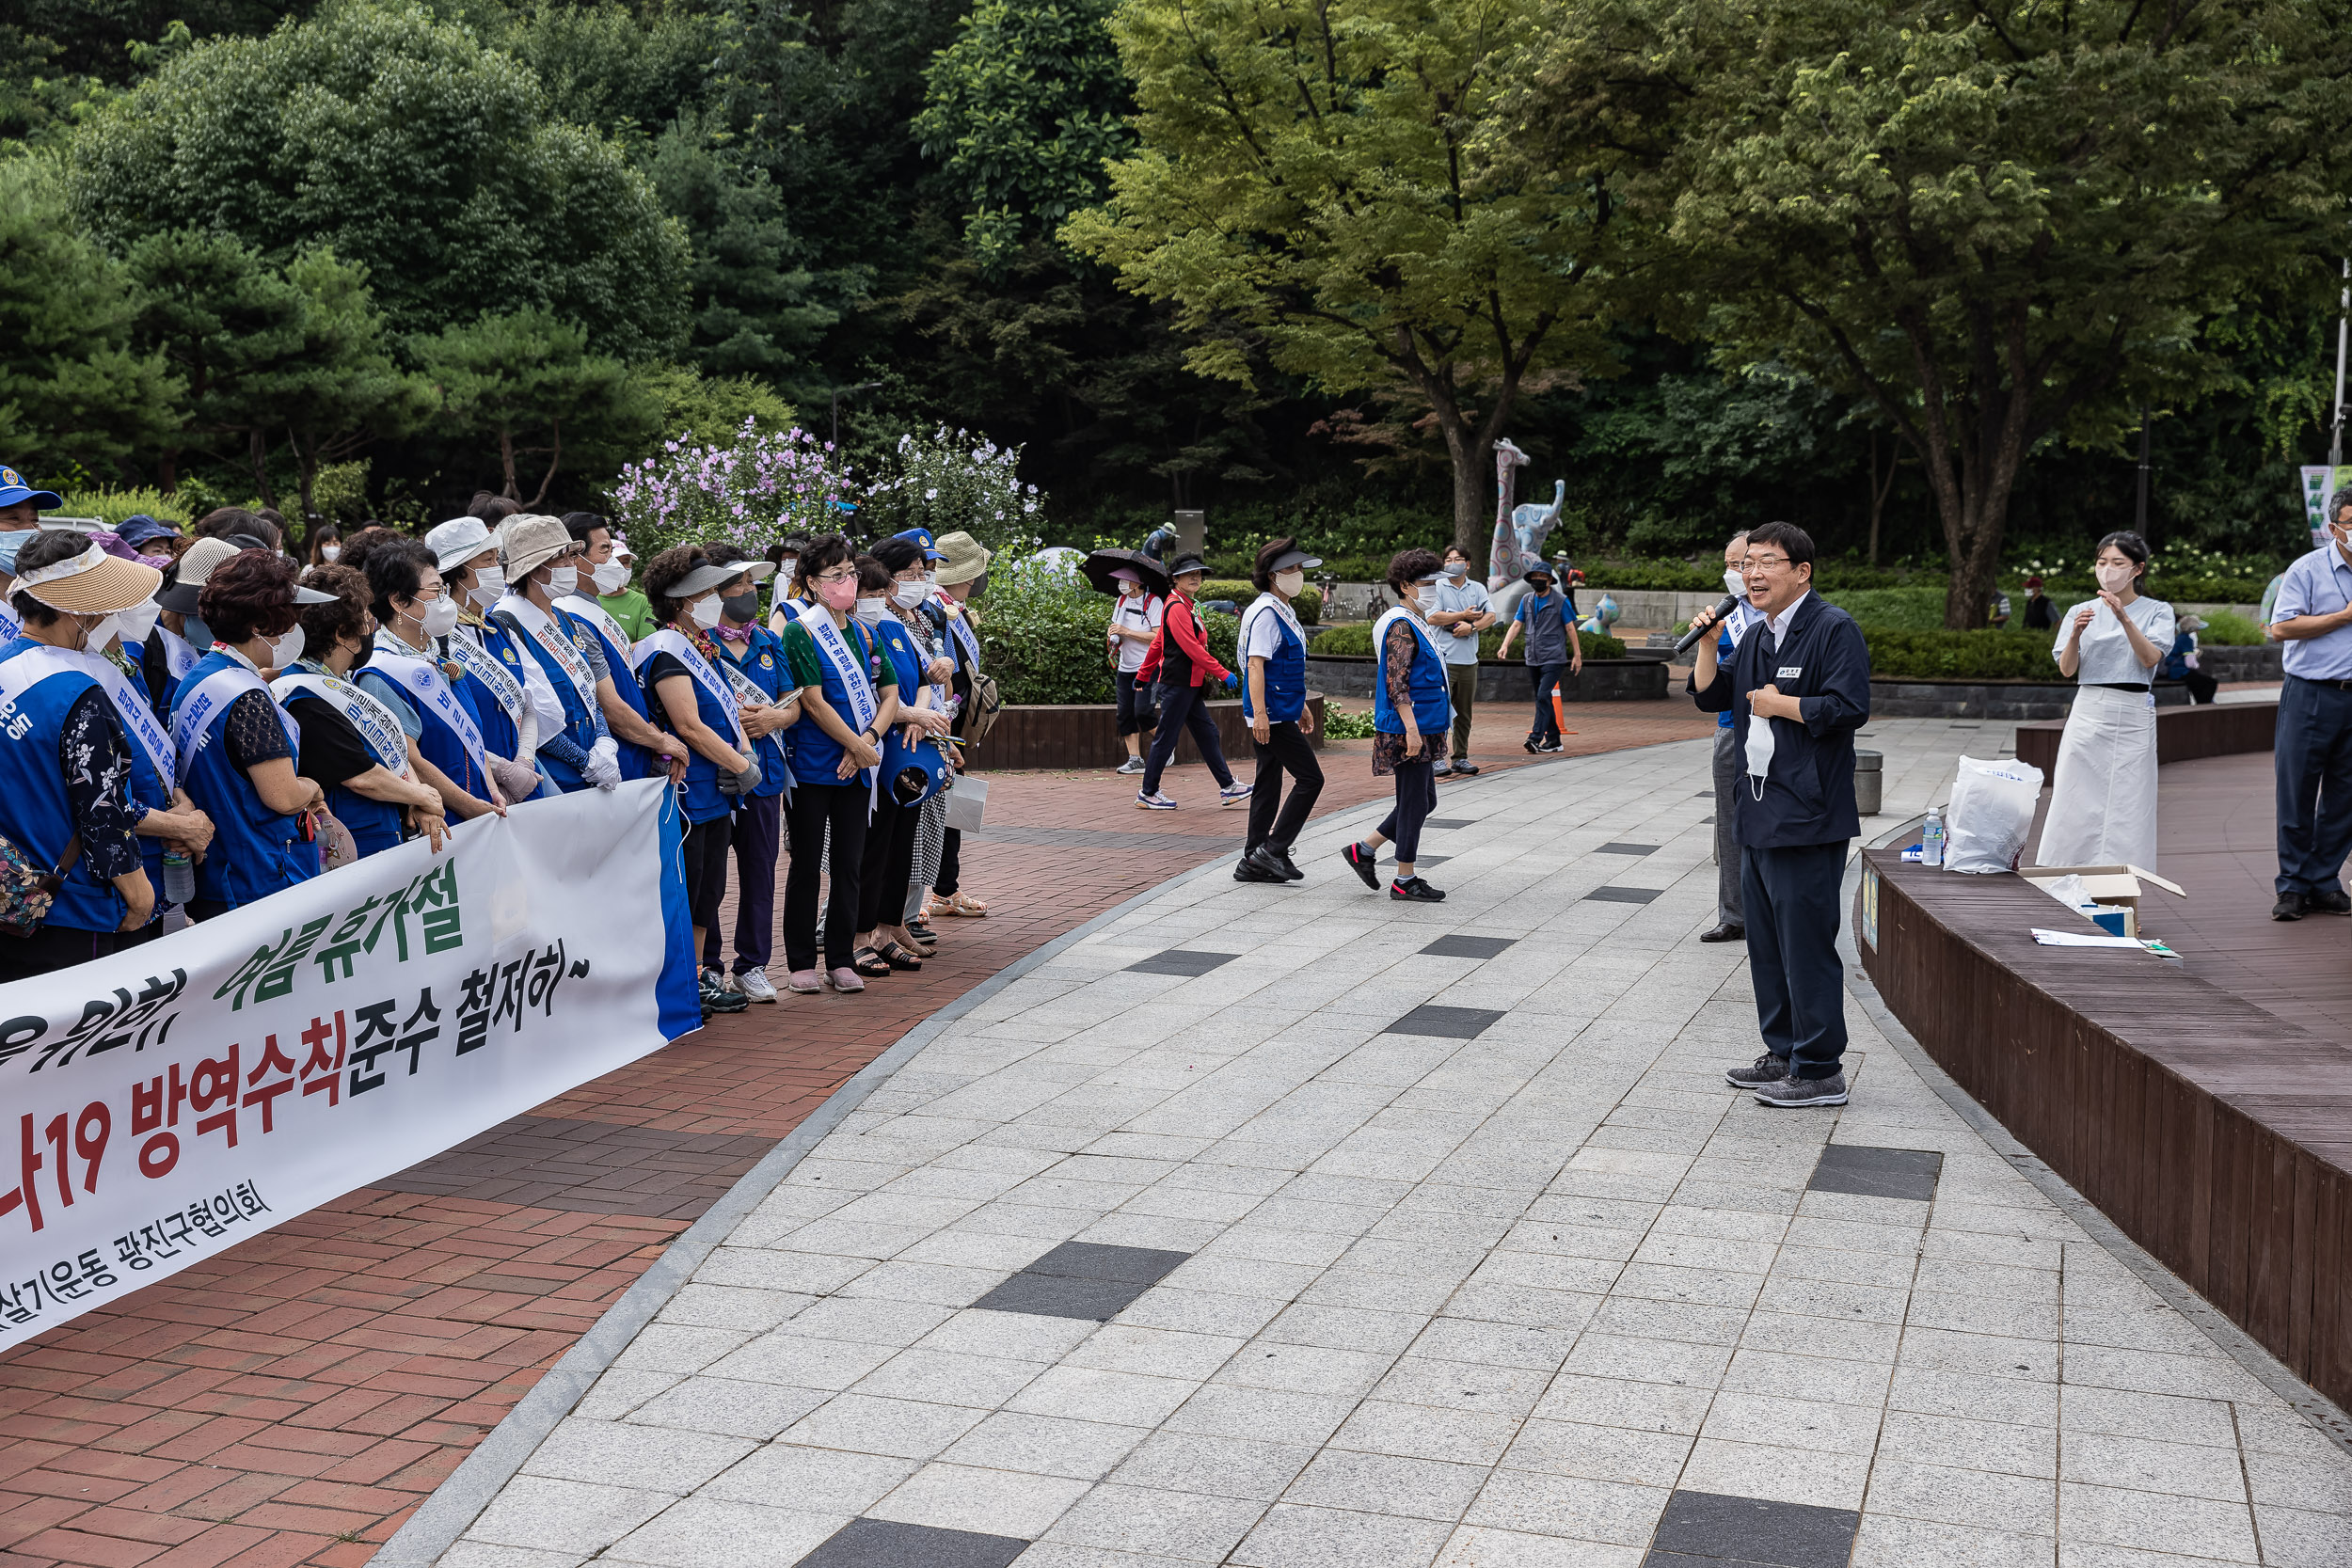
[[896, 956], [869, 963], [962, 905], [923, 934]]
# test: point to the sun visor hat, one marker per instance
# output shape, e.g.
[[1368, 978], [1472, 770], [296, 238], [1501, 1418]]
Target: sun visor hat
[[710, 576], [1187, 563], [913, 774], [1293, 561], [91, 583]]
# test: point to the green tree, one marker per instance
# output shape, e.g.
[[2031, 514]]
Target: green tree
[[1326, 178], [527, 380], [74, 387], [2004, 226], [410, 148]]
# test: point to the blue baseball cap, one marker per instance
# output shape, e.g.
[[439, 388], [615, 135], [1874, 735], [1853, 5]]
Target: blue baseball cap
[[13, 489], [923, 536]]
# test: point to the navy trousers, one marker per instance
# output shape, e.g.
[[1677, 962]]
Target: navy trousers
[[2313, 761], [1791, 896], [755, 831], [1183, 709]]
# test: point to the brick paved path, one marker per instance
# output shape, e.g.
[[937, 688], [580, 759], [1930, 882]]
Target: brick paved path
[[292, 1400]]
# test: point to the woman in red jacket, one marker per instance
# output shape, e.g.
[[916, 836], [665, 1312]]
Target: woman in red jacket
[[1180, 662]]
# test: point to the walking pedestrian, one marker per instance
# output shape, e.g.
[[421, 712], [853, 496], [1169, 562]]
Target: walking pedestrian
[[2313, 616], [1179, 662], [1731, 921], [1458, 608], [2102, 795], [1410, 710], [1274, 698], [1797, 685], [1554, 651], [1136, 619]]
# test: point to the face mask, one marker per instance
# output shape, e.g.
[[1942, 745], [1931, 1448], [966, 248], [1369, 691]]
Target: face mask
[[330, 552], [838, 595], [359, 659], [870, 609], [439, 617], [1759, 750], [1458, 569], [138, 621], [1289, 583], [704, 611], [788, 569], [100, 632], [2115, 578], [195, 631], [285, 650], [909, 594], [1733, 584], [489, 586], [741, 607], [563, 581], [611, 578]]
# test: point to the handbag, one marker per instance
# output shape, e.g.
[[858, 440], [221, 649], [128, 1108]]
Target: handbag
[[27, 892]]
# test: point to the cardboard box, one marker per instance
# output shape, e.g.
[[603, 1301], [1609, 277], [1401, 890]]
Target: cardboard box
[[2118, 885]]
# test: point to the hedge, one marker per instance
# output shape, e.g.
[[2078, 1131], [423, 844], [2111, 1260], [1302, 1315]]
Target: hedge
[[1897, 654], [1307, 605], [1355, 639]]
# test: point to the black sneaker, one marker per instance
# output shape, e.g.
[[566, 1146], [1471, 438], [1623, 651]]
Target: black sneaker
[[1549, 746], [1290, 867], [2290, 906], [1531, 745], [1248, 870], [1268, 860], [1769, 1068], [1796, 1093], [717, 996], [1359, 860], [2328, 903], [1414, 891]]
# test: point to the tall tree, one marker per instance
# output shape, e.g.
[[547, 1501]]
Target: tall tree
[[527, 380], [1325, 176], [2001, 224]]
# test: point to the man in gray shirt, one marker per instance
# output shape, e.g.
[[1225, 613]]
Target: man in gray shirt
[[1458, 608]]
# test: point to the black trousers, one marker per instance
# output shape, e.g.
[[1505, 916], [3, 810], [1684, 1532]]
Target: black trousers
[[705, 854], [1790, 896], [815, 807], [1284, 751], [2314, 764], [754, 832], [950, 861], [1548, 679], [1416, 798], [1184, 708], [2200, 686], [53, 949], [887, 864], [1134, 705]]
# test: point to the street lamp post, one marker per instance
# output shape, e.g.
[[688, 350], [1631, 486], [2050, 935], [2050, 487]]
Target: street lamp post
[[2335, 440]]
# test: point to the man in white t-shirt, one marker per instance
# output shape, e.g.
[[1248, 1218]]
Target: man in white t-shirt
[[1135, 621], [1458, 608]]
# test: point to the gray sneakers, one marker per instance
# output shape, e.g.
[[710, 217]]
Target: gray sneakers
[[1795, 1092], [1769, 1068]]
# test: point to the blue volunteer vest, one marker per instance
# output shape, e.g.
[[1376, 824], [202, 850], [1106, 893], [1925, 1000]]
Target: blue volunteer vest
[[761, 662], [815, 755], [439, 743], [375, 825], [254, 851], [636, 761], [1425, 682], [1285, 676], [148, 787], [35, 814], [499, 737], [698, 792], [580, 722]]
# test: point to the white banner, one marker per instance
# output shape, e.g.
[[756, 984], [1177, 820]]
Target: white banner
[[162, 1105]]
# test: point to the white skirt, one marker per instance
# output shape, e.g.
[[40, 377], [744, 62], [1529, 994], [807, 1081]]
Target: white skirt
[[2102, 803]]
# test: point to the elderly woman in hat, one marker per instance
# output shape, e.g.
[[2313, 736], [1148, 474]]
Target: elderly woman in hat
[[490, 658], [961, 571], [1136, 619], [1179, 659], [1274, 698], [565, 667], [1411, 711]]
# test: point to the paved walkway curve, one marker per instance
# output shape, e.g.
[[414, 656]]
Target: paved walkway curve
[[1312, 1228]]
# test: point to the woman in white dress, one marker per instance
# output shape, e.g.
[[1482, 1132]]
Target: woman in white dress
[[2102, 803]]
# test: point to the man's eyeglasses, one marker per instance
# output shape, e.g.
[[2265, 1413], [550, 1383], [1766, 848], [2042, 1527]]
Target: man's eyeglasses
[[1766, 563]]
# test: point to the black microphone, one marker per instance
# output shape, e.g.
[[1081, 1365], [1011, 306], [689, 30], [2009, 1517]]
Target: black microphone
[[1691, 638]]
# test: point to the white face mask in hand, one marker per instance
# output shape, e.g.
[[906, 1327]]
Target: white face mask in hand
[[1760, 748]]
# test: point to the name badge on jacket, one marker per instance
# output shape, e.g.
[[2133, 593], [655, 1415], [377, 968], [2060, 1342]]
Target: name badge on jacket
[[1790, 671]]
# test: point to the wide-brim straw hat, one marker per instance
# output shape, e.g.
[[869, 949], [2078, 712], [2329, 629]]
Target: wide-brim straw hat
[[962, 558], [91, 583], [530, 540]]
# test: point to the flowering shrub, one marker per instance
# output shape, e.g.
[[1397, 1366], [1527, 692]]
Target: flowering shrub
[[749, 492], [952, 480]]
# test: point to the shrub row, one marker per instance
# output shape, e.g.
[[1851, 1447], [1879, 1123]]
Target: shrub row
[[1355, 639]]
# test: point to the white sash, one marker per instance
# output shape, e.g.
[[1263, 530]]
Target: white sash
[[748, 692], [584, 679], [1420, 629], [131, 706], [421, 678], [669, 640], [817, 622], [211, 698], [179, 655], [33, 666], [372, 720], [490, 670], [11, 627], [961, 630], [598, 617]]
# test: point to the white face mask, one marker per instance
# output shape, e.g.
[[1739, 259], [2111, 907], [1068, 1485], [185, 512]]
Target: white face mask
[[1458, 569], [489, 585], [1759, 750], [910, 594], [440, 616], [563, 581], [330, 552], [870, 609], [788, 569], [1733, 584], [285, 650], [1289, 583], [96, 634], [706, 611], [138, 621], [611, 578], [2115, 578]]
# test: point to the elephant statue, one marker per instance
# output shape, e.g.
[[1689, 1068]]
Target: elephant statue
[[1517, 546]]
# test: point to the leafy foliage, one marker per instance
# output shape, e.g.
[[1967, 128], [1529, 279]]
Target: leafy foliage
[[527, 378], [1355, 640], [749, 491], [951, 479], [1041, 635], [1941, 655]]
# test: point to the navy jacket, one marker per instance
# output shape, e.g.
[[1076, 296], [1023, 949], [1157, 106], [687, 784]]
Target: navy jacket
[[1824, 664]]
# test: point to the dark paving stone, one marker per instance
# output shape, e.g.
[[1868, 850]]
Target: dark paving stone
[[1082, 1279], [1623, 895], [1450, 822], [1467, 947], [1909, 1173], [1708, 822], [1453, 1023], [1626, 849], [1706, 1528], [1178, 960], [587, 1167], [886, 1544]]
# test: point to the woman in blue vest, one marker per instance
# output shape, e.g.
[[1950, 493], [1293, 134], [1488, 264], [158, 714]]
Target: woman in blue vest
[[680, 668], [1274, 698], [65, 770], [237, 747], [494, 692], [884, 942], [755, 661], [164, 818], [410, 670], [560, 657], [1411, 714]]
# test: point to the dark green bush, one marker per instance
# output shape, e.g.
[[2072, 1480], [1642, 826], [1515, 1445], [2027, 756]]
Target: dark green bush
[[1307, 605], [1356, 638], [1897, 654]]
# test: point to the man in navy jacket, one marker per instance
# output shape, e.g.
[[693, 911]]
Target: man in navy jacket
[[1797, 688]]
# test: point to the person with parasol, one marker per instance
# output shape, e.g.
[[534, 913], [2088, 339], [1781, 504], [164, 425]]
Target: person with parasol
[[1141, 586]]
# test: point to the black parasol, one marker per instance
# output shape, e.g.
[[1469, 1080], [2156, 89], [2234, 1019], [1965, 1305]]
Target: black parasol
[[1099, 566]]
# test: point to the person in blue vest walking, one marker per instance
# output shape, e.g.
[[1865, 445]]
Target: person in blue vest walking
[[238, 748], [1797, 685], [1411, 715], [1274, 698], [769, 702], [66, 769]]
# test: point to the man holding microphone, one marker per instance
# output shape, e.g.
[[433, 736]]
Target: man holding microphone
[[1797, 686]]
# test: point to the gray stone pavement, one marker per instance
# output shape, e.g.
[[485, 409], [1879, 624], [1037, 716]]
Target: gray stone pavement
[[1520, 1285]]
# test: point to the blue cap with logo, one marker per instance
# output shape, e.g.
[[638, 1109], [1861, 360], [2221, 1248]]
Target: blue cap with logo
[[13, 489], [923, 536]]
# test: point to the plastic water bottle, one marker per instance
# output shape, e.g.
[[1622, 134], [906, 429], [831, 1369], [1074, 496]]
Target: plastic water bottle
[[179, 876], [1932, 838]]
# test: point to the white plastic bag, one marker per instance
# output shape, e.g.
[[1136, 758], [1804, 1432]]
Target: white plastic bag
[[1991, 815]]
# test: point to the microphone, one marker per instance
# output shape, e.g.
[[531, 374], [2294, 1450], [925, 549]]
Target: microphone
[[1691, 638]]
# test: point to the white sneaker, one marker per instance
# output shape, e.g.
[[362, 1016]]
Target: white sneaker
[[1132, 766], [755, 984], [1154, 803]]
